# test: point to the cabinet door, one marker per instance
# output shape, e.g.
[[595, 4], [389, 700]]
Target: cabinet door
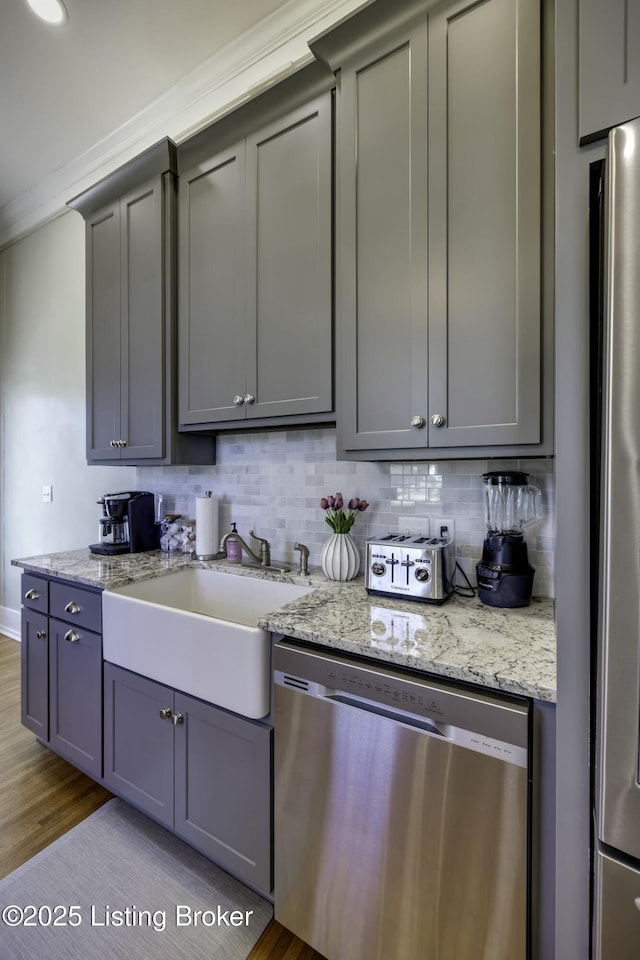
[[34, 656], [75, 695], [381, 328], [484, 223], [211, 295], [138, 743], [223, 788], [103, 333], [142, 360], [609, 64], [289, 296]]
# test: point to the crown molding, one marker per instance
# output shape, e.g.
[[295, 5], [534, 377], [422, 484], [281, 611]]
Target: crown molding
[[263, 55]]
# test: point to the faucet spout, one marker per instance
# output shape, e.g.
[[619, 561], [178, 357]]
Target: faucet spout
[[263, 559]]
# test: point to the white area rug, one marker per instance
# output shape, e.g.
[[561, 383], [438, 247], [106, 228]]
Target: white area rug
[[120, 887]]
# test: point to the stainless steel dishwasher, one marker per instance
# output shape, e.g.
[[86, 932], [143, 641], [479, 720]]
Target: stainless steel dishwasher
[[401, 812]]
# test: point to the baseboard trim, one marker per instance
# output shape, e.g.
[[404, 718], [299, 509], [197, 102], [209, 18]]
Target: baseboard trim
[[10, 623]]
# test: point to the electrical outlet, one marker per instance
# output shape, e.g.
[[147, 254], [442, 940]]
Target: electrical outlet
[[415, 525], [443, 527], [47, 493]]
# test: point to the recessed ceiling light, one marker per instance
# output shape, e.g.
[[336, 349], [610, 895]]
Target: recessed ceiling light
[[53, 11]]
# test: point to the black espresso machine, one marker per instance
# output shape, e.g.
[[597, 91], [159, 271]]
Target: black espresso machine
[[128, 523]]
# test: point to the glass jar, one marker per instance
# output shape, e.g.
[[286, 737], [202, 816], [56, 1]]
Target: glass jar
[[170, 530]]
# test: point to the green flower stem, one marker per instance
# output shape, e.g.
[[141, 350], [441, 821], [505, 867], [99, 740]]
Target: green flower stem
[[339, 521]]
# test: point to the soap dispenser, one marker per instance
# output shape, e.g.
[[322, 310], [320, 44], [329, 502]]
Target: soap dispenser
[[234, 550]]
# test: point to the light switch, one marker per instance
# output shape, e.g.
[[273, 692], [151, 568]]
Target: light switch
[[47, 493]]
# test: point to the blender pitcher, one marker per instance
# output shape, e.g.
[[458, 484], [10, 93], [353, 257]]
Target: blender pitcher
[[505, 577]]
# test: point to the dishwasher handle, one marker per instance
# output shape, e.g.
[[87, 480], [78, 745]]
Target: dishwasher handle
[[321, 692], [424, 724]]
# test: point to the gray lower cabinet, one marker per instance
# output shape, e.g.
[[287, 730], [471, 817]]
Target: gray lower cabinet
[[255, 275], [131, 355], [201, 771], [61, 669], [439, 332], [75, 699], [609, 87], [34, 655]]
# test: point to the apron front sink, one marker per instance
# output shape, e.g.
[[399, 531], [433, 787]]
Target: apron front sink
[[196, 630]]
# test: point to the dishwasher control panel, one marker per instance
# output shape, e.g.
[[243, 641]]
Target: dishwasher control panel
[[484, 722]]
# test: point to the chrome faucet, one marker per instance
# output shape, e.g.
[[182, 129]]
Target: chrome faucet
[[263, 559]]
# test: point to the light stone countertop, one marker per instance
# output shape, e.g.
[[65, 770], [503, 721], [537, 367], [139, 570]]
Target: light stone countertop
[[509, 650], [463, 639]]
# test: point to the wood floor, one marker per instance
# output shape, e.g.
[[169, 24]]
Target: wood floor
[[43, 796]]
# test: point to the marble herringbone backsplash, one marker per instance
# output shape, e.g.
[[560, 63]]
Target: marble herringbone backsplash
[[272, 483]]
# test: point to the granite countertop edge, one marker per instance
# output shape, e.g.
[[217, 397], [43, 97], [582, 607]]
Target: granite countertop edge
[[505, 650]]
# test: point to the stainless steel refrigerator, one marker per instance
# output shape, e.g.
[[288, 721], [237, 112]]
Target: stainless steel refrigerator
[[617, 727]]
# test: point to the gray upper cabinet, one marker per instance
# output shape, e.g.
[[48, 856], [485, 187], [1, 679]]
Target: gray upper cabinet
[[255, 279], [125, 341], [211, 288], [381, 328], [131, 378], [484, 224], [439, 332], [609, 65]]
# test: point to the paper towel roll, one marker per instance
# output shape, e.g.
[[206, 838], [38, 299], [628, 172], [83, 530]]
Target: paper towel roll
[[206, 526]]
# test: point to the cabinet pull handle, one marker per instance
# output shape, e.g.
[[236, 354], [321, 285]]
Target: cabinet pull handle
[[437, 420], [72, 607], [122, 443], [32, 595], [41, 634], [238, 400], [72, 636], [418, 421], [166, 713], [177, 718], [249, 398]]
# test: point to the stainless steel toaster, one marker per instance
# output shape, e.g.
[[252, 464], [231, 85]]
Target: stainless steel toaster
[[411, 566]]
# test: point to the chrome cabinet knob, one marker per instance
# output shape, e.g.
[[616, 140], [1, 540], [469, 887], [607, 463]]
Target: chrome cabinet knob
[[249, 398], [113, 443], [41, 634], [122, 443], [177, 718], [418, 422], [238, 400], [72, 636], [32, 595], [72, 607], [437, 420], [166, 713]]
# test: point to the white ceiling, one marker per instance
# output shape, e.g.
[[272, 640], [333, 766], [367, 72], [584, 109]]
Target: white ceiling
[[74, 99]]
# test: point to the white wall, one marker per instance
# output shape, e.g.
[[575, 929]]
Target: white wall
[[42, 405]]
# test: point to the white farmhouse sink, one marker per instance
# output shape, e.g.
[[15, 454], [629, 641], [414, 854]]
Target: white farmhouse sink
[[196, 630]]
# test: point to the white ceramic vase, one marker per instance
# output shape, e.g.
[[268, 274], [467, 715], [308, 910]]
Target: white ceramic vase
[[340, 558]]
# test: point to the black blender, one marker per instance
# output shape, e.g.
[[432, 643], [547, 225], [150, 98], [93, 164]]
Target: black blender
[[505, 577]]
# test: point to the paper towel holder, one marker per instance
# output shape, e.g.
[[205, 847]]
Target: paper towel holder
[[209, 555]]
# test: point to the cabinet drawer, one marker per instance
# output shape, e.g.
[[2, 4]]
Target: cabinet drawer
[[35, 592], [76, 605]]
